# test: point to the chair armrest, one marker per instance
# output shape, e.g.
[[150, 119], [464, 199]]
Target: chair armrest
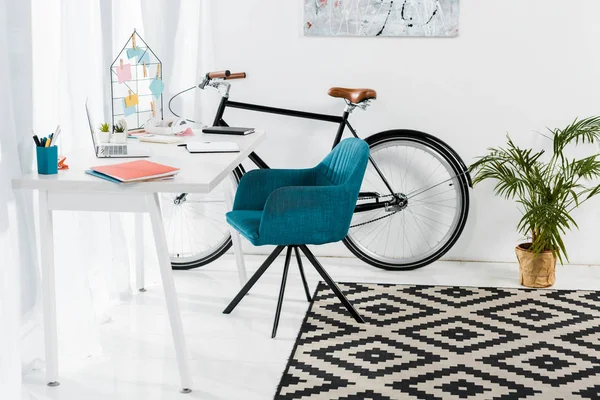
[[256, 186], [307, 215]]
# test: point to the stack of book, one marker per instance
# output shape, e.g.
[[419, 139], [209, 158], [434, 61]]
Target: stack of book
[[133, 171]]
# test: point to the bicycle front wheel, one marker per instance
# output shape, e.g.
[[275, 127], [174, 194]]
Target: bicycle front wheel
[[427, 211], [195, 226]]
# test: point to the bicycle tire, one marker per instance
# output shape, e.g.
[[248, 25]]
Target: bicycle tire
[[459, 168]]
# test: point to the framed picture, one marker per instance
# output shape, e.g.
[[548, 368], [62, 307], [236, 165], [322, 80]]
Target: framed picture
[[380, 18]]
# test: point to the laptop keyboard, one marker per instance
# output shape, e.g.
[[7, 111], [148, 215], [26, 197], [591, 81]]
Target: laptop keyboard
[[115, 150]]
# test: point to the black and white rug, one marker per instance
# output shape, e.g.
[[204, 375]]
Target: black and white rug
[[435, 342]]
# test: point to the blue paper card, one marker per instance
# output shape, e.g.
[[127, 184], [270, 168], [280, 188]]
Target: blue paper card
[[157, 87], [128, 110], [144, 56], [131, 53], [140, 54]]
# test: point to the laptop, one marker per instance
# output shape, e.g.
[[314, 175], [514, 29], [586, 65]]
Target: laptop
[[113, 150]]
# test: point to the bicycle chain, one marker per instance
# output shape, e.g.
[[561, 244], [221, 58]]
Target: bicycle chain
[[373, 220], [376, 219], [375, 197]]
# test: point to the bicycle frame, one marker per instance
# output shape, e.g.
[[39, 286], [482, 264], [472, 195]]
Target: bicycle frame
[[342, 122]]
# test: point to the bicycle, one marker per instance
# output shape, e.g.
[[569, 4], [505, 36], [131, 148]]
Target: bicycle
[[412, 208]]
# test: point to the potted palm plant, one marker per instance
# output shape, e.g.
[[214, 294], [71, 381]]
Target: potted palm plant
[[547, 187]]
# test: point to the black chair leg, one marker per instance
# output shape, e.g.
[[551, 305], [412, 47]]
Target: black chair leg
[[331, 284], [306, 290], [253, 279], [286, 268]]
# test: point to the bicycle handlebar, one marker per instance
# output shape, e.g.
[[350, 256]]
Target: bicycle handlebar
[[236, 75], [226, 74], [218, 74]]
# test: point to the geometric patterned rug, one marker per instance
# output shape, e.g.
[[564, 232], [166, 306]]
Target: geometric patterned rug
[[436, 342]]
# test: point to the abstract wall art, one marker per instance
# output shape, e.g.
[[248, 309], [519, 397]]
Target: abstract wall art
[[381, 17]]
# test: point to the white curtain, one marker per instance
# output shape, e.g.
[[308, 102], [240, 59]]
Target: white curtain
[[18, 272], [180, 33], [57, 53]]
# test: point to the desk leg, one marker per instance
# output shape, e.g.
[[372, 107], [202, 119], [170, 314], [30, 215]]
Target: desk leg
[[139, 252], [48, 290], [235, 236], [166, 273]]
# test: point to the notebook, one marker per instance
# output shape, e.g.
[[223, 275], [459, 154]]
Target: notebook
[[108, 178], [134, 171], [228, 130], [212, 147]]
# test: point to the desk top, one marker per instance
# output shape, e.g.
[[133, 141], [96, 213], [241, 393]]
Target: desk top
[[200, 173]]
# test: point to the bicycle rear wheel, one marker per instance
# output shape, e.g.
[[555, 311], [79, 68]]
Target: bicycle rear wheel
[[425, 174]]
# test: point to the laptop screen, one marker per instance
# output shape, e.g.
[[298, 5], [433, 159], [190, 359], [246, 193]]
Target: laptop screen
[[89, 117]]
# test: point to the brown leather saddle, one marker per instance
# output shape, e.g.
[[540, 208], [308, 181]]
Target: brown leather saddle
[[352, 95]]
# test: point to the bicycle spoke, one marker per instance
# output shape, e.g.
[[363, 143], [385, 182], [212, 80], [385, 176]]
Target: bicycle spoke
[[435, 203], [211, 220], [378, 229], [372, 226], [437, 194], [196, 228], [420, 230], [407, 236], [425, 188], [417, 216], [431, 209], [408, 167], [430, 219]]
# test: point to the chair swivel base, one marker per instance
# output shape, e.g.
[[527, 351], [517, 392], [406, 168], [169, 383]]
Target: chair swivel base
[[315, 263]]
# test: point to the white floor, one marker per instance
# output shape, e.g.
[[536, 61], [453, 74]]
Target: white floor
[[233, 356]]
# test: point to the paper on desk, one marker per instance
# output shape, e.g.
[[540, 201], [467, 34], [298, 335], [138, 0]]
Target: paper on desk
[[212, 147], [124, 73], [160, 139]]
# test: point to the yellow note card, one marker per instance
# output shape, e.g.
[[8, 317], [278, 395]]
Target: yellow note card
[[131, 100]]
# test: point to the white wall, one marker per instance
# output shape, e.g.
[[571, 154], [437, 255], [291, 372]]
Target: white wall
[[517, 66]]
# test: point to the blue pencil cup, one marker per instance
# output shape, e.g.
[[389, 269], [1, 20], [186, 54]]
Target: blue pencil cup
[[47, 160]]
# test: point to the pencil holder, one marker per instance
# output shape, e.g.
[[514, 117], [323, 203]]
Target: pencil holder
[[47, 160]]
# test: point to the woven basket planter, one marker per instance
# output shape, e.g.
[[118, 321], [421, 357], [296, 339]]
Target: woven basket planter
[[536, 271]]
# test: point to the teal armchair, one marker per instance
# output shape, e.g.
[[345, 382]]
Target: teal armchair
[[294, 208]]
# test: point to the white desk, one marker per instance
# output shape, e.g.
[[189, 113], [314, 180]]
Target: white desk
[[76, 191]]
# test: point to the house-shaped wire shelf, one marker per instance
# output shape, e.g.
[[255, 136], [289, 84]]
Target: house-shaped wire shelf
[[136, 84]]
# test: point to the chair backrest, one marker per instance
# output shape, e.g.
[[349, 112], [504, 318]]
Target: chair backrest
[[344, 165]]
